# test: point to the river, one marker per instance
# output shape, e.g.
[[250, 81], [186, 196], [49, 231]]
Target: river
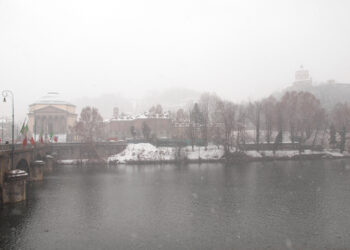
[[260, 205]]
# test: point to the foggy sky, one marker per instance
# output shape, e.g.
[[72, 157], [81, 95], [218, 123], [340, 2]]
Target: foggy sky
[[238, 49]]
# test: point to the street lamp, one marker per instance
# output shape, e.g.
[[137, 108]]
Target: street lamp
[[5, 93]]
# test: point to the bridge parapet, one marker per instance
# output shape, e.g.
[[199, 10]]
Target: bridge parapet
[[64, 151], [24, 157]]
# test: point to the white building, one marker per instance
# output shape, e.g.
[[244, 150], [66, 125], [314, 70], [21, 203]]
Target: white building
[[50, 115]]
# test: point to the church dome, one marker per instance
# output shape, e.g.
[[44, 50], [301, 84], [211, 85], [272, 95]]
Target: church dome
[[52, 98]]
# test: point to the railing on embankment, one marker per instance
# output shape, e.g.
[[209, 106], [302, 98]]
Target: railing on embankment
[[279, 146]]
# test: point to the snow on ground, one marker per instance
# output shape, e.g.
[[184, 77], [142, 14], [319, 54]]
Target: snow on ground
[[72, 161], [286, 153], [253, 154], [66, 162], [334, 154], [148, 152], [269, 153], [143, 152], [292, 153], [211, 153]]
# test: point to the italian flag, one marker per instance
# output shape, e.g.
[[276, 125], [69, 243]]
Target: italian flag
[[32, 141], [25, 142], [24, 129]]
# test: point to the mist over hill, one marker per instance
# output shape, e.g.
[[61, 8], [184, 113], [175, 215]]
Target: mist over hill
[[170, 99], [329, 93], [105, 103]]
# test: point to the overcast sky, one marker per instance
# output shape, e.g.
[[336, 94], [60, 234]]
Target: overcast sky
[[239, 49]]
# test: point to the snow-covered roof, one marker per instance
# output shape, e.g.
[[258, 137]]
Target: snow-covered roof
[[4, 119], [145, 115], [52, 98]]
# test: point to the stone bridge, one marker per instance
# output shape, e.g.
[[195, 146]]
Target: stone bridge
[[26, 158], [21, 159], [61, 151]]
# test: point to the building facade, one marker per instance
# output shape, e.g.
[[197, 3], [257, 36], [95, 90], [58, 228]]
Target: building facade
[[51, 115], [120, 127], [302, 78]]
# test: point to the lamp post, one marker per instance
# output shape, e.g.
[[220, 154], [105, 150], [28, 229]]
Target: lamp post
[[2, 130], [5, 93]]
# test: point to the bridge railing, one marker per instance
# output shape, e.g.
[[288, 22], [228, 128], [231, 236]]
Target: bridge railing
[[8, 147], [84, 143]]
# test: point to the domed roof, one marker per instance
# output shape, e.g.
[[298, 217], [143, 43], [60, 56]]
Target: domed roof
[[52, 98]]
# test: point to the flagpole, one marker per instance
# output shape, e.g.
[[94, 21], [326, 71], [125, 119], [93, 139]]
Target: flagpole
[[34, 127], [2, 130]]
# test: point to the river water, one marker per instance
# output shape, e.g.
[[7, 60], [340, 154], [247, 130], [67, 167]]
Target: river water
[[268, 205]]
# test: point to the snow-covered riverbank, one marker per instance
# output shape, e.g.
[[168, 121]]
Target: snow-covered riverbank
[[145, 152]]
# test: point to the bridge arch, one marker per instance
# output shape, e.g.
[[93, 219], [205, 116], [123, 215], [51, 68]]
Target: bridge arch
[[23, 165]]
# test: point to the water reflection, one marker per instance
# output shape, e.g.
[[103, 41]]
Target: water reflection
[[199, 206]]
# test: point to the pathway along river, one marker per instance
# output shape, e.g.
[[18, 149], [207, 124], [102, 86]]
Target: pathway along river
[[276, 205]]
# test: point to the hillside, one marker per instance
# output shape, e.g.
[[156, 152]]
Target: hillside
[[328, 93]]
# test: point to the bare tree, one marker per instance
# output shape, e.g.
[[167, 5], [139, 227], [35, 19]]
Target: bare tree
[[241, 126], [288, 105], [217, 135], [90, 125], [303, 114], [191, 132], [89, 129], [181, 116], [159, 109], [196, 122], [270, 114], [207, 105], [254, 114], [332, 135], [227, 111], [341, 118], [320, 122]]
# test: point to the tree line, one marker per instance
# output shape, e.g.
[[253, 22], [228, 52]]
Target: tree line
[[297, 117]]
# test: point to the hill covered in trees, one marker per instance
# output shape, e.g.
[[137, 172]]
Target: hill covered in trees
[[329, 94]]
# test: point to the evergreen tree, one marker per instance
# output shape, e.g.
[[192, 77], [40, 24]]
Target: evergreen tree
[[342, 139], [332, 132]]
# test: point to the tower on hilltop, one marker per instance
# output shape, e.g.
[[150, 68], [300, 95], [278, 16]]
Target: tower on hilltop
[[302, 78]]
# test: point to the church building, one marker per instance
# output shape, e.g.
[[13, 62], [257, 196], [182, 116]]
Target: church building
[[302, 78], [51, 115]]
